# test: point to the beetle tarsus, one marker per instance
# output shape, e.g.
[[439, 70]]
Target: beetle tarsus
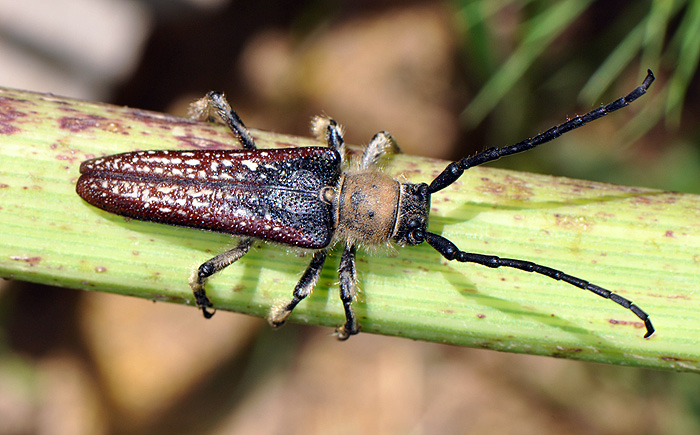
[[344, 332], [280, 312], [207, 314], [203, 302]]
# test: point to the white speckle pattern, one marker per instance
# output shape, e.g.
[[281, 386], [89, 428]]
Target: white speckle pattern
[[253, 166], [264, 194]]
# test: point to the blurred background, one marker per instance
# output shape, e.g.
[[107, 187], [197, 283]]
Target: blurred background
[[447, 79]]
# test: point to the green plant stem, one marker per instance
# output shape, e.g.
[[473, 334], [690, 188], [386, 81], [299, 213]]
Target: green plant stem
[[643, 244]]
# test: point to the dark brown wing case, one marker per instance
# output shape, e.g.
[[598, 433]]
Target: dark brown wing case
[[270, 194]]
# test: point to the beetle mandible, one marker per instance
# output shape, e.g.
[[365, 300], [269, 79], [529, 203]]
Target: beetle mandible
[[303, 197]]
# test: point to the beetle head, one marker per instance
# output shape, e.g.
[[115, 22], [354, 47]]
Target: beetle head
[[412, 218]]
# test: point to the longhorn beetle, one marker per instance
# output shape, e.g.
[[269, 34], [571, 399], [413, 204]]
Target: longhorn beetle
[[303, 197]]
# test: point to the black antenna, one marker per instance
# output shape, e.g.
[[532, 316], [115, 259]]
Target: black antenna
[[455, 169], [450, 251]]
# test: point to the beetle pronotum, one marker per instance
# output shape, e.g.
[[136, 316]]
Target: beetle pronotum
[[302, 197]]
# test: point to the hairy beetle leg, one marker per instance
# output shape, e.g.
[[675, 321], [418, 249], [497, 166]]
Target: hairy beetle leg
[[348, 289], [212, 266], [382, 144], [281, 310], [215, 108]]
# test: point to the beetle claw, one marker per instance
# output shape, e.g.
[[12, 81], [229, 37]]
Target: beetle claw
[[208, 314], [203, 302]]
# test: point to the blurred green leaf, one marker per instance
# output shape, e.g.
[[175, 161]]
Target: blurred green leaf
[[646, 38]]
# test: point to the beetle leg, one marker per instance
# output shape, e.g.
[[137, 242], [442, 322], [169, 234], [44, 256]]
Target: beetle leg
[[319, 127], [281, 311], [326, 130], [348, 289], [381, 144], [212, 266], [215, 107]]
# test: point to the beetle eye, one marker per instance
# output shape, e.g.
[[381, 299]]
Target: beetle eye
[[418, 197], [420, 193], [417, 236]]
